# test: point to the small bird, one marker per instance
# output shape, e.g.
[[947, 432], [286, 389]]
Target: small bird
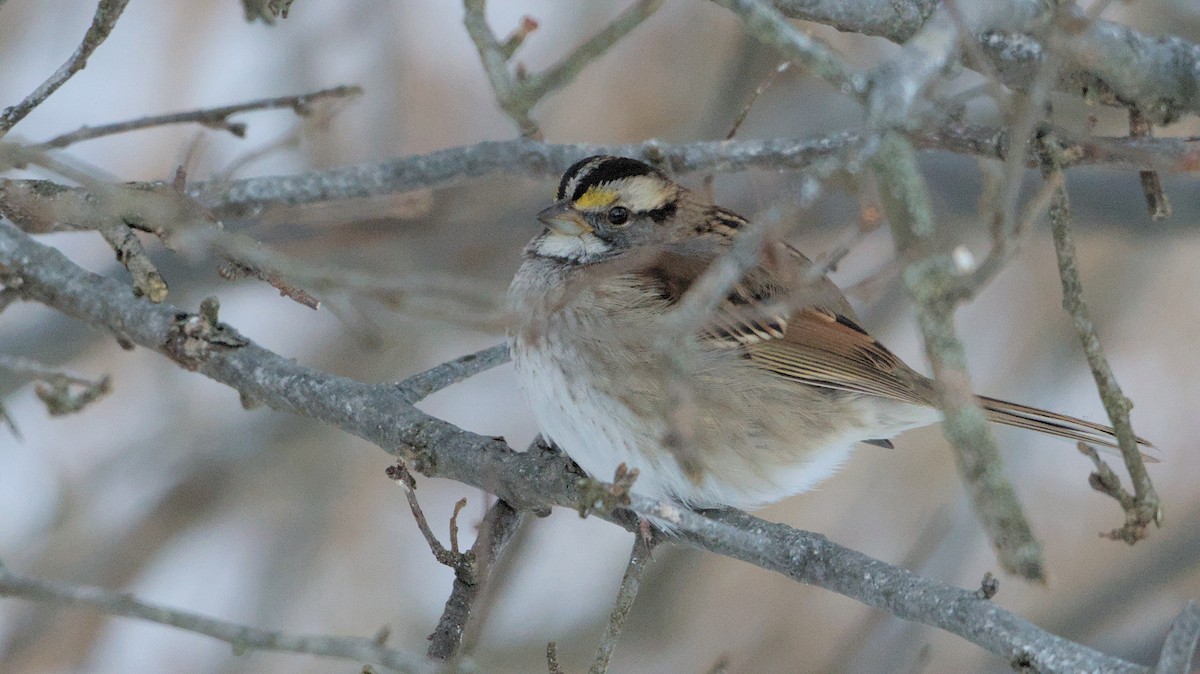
[[762, 398]]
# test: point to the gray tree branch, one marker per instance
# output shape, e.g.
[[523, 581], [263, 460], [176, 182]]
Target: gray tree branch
[[535, 479], [107, 13], [452, 166], [1107, 61], [241, 637]]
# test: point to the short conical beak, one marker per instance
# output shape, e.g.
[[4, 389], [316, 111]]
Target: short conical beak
[[561, 218]]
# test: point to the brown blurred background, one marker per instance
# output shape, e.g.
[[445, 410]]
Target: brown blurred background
[[170, 490]]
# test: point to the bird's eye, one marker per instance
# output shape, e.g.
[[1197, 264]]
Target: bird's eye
[[618, 215]]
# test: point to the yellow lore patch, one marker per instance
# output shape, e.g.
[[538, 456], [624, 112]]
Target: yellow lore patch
[[596, 197]]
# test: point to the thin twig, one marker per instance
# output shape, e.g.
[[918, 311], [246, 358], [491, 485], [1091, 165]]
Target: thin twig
[[55, 389], [241, 637], [107, 13], [453, 558], [499, 526], [213, 118], [643, 547], [928, 275], [518, 93], [770, 27], [1156, 198], [741, 117], [423, 384], [1145, 509]]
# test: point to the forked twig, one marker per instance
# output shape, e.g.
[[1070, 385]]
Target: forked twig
[[518, 92], [1144, 508]]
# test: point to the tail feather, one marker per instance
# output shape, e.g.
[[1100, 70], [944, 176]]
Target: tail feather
[[1053, 423]]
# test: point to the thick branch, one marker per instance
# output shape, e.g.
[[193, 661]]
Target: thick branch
[[1108, 61], [381, 414]]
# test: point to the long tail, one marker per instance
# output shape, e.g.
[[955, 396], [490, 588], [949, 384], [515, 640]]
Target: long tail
[[1052, 423]]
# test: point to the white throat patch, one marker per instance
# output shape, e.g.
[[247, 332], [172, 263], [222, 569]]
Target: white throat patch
[[582, 248]]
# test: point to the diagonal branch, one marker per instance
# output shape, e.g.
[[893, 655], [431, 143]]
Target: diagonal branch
[[928, 276], [499, 526], [526, 480], [103, 23], [631, 581], [766, 24], [518, 92], [1145, 507]]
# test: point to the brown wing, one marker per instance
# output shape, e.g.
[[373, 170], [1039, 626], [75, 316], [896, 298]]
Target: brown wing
[[821, 347], [808, 336], [812, 337]]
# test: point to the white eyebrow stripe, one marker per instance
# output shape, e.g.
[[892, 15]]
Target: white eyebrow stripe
[[639, 194]]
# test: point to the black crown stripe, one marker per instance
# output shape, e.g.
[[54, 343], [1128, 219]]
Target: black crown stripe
[[571, 172], [607, 170]]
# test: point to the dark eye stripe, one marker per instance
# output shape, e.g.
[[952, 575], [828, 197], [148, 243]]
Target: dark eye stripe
[[663, 212], [607, 169]]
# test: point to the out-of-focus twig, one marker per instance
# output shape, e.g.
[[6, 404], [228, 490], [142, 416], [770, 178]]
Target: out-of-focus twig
[[552, 665], [107, 13], [241, 637], [266, 10], [1145, 508], [1109, 62], [900, 82], [62, 393], [770, 27], [1156, 198], [213, 118], [643, 547], [42, 206], [1006, 226], [927, 277], [518, 92]]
